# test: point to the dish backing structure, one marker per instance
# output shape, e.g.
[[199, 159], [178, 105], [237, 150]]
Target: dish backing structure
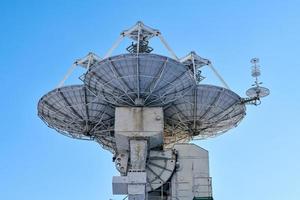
[[145, 108]]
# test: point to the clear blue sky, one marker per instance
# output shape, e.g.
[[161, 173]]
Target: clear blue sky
[[40, 39]]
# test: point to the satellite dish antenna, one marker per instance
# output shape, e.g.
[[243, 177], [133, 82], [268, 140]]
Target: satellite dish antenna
[[77, 113], [145, 108], [206, 111], [139, 79]]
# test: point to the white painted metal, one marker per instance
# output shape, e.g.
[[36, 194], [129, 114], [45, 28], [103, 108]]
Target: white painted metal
[[162, 39], [192, 174], [195, 62], [133, 184], [146, 32], [138, 154], [219, 76], [85, 62], [194, 59], [121, 162], [257, 92], [88, 60], [139, 123], [69, 72], [160, 168], [140, 30], [116, 44], [137, 130]]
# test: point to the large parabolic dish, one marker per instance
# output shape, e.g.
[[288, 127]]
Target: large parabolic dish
[[206, 111], [139, 80], [77, 113]]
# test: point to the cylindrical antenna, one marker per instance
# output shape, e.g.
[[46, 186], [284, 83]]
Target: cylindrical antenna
[[255, 68]]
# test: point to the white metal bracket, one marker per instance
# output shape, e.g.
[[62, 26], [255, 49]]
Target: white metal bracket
[[84, 62], [141, 32], [195, 62]]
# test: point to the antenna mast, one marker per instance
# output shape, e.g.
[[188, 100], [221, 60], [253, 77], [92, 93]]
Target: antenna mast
[[256, 92]]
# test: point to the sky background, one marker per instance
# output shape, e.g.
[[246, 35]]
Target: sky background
[[39, 40]]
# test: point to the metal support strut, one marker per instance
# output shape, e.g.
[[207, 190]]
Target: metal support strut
[[141, 34]]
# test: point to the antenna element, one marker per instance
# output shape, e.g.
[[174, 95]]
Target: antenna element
[[256, 92]]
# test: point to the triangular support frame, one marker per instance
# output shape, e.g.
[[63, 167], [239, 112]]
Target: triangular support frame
[[140, 32], [84, 62], [195, 62]]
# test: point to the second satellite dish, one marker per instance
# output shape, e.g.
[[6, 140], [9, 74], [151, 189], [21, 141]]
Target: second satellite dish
[[206, 111], [76, 112]]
